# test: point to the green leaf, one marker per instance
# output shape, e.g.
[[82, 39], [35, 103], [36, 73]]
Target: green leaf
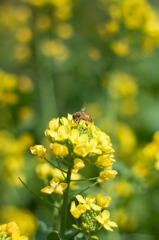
[[55, 235]]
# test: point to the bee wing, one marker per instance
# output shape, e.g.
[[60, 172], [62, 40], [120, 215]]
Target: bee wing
[[83, 108]]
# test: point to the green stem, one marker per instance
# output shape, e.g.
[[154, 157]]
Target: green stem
[[92, 185], [54, 165], [86, 179], [65, 203], [73, 235], [35, 194]]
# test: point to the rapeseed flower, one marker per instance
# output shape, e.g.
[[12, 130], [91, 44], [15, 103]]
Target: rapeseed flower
[[55, 186], [83, 138], [38, 150], [103, 219], [89, 215]]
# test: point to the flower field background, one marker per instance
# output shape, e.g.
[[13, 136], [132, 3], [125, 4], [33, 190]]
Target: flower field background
[[55, 55]]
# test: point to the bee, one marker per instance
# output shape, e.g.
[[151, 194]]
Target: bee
[[81, 115]]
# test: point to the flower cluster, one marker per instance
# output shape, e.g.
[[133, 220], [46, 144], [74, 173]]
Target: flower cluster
[[89, 213], [82, 142], [11, 231], [76, 143]]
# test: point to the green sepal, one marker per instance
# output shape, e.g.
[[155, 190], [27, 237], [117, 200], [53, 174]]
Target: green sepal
[[55, 235]]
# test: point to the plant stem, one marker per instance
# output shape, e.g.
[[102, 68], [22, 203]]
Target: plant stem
[[92, 185], [86, 179], [54, 165], [65, 203], [74, 234], [40, 197]]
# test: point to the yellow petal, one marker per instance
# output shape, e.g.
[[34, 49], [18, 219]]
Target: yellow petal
[[73, 136], [99, 219], [64, 185], [96, 207], [13, 229], [54, 124], [76, 213], [103, 201], [78, 163], [105, 215], [63, 132], [112, 224], [38, 150], [59, 189], [64, 121], [47, 190], [80, 199], [90, 198], [54, 182], [81, 150], [103, 160], [107, 227], [58, 150], [23, 238], [82, 139]]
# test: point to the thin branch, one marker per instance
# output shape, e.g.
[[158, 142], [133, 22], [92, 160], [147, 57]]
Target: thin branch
[[86, 179], [92, 185], [37, 195], [55, 165]]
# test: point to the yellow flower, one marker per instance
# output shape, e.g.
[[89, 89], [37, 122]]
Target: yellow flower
[[27, 226], [58, 150], [38, 150], [103, 201], [54, 124], [88, 202], [78, 164], [73, 136], [11, 231], [81, 150], [107, 174], [104, 220], [77, 211], [104, 160], [55, 186]]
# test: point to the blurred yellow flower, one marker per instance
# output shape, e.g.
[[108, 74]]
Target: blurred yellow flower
[[126, 221], [29, 224], [94, 53], [122, 85], [11, 231], [121, 48], [43, 22], [8, 86], [55, 187], [55, 49], [22, 52], [38, 150], [24, 34], [25, 113], [64, 31], [123, 188]]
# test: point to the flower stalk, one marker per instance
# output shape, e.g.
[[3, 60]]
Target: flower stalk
[[65, 203]]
